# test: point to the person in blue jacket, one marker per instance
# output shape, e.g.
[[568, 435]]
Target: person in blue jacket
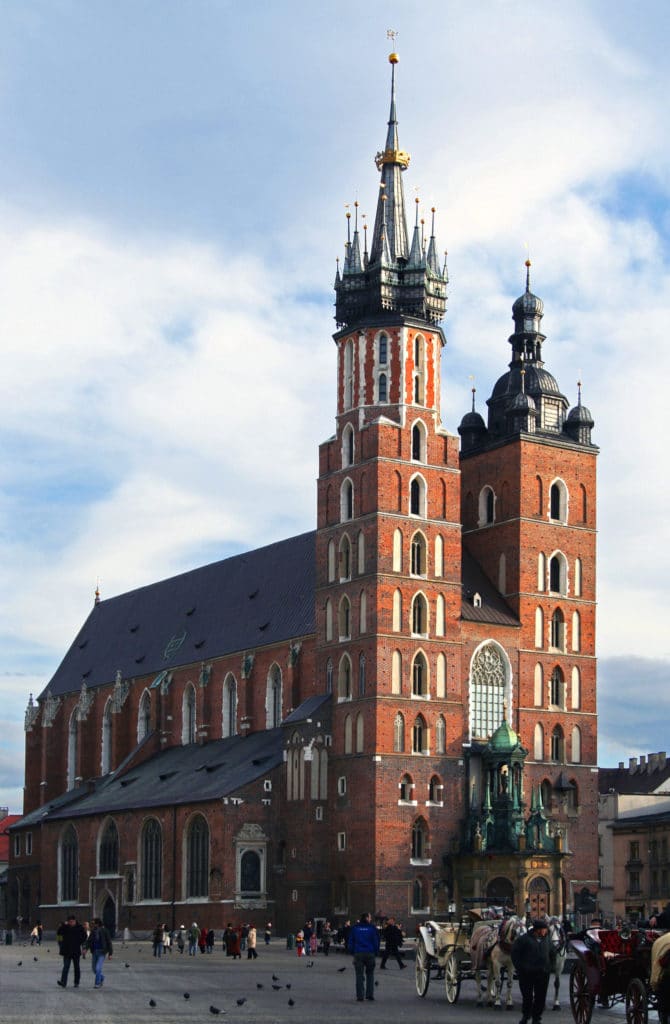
[[364, 945]]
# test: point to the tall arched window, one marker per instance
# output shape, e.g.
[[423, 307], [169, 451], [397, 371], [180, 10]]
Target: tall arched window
[[348, 735], [344, 678], [538, 689], [329, 620], [538, 743], [490, 689], [419, 901], [578, 577], [69, 866], [345, 559], [558, 501], [419, 736], [557, 744], [188, 714], [347, 446], [558, 630], [382, 388], [360, 734], [347, 501], [397, 551], [382, 350], [539, 628], [229, 714], [329, 676], [576, 745], [144, 716], [419, 676], [106, 748], [361, 675], [576, 631], [72, 750], [558, 573], [439, 616], [405, 787], [418, 546], [419, 615], [363, 613], [418, 442], [331, 561], [440, 735], [441, 676], [397, 611], [584, 502], [541, 571], [197, 858], [557, 694], [419, 370], [540, 499], [399, 734], [251, 875], [273, 698], [420, 839], [344, 619], [152, 860], [487, 504], [417, 496], [502, 573], [108, 850], [361, 553], [396, 672], [439, 556], [576, 695], [348, 374]]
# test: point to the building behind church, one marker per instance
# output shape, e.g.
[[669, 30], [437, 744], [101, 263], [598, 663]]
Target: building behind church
[[394, 712]]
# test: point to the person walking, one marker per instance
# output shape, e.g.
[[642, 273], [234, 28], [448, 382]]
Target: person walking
[[393, 940], [531, 956], [158, 940], [326, 938], [364, 945], [72, 938], [181, 938], [100, 945], [251, 943], [268, 933], [193, 936]]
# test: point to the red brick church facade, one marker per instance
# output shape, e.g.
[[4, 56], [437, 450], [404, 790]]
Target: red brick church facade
[[396, 712]]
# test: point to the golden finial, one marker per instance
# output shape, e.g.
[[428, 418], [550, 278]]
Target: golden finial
[[391, 34]]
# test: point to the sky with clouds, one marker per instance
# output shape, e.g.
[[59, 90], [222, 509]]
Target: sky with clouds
[[173, 181]]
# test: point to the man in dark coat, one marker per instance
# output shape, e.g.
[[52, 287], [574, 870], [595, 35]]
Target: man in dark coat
[[72, 938], [364, 944], [393, 939], [531, 956]]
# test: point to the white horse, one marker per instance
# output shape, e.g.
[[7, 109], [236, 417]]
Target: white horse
[[559, 952], [490, 948]]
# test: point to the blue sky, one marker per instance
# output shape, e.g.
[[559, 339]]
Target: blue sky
[[173, 178]]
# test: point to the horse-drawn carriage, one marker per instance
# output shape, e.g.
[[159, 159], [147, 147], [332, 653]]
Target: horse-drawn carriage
[[613, 966], [476, 948]]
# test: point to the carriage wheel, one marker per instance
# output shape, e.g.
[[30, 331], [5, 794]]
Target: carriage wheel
[[581, 997], [636, 1002], [422, 968], [452, 978]]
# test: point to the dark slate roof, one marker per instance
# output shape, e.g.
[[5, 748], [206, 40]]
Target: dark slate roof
[[628, 821], [640, 780], [181, 775], [307, 709], [241, 603], [494, 609]]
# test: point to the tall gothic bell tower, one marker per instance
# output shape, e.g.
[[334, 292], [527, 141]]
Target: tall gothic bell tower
[[388, 551]]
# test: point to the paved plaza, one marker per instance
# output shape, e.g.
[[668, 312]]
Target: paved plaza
[[324, 991]]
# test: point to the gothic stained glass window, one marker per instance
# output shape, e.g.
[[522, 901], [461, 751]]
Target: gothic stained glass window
[[197, 874], [69, 866], [152, 860], [109, 850], [488, 684]]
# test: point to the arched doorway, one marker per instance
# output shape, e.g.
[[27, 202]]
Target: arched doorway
[[538, 895], [500, 892], [109, 915]]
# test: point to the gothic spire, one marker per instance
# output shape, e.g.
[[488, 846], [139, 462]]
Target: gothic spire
[[390, 223]]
